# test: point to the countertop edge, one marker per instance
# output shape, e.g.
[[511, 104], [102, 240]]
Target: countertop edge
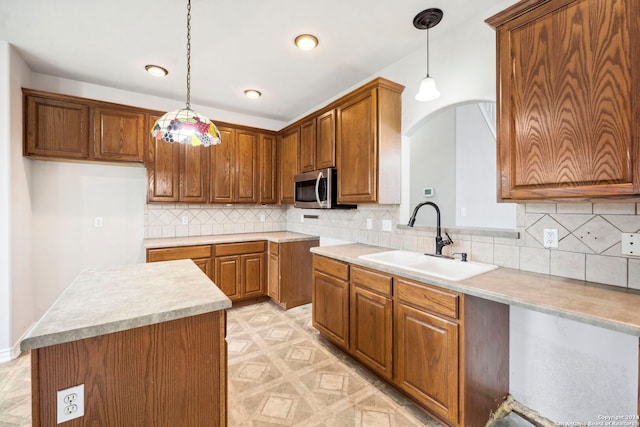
[[466, 287], [31, 343]]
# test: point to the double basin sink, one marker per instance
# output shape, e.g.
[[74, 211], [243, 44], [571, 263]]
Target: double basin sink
[[443, 268]]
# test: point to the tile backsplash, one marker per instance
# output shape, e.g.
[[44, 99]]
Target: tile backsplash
[[589, 234]]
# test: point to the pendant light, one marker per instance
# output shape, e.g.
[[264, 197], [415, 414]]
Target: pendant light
[[425, 20], [185, 126]]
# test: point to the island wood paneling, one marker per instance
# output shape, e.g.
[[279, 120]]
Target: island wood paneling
[[166, 374]]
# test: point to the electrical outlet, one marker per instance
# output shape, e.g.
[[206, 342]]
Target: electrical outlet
[[70, 403], [550, 238], [631, 244], [463, 211], [184, 219], [386, 225], [301, 217], [97, 222], [369, 223], [263, 218]]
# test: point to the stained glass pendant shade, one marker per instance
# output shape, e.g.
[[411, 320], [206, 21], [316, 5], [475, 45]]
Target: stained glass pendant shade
[[185, 126]]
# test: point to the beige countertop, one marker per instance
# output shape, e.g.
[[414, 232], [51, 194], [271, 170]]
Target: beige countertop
[[609, 307], [104, 301], [273, 236]]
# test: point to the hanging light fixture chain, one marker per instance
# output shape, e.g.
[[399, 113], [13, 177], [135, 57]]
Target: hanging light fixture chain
[[188, 54]]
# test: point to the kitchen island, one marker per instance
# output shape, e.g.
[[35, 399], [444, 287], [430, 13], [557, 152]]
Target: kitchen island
[[147, 342]]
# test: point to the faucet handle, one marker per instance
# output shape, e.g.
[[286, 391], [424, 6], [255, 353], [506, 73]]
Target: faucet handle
[[449, 240]]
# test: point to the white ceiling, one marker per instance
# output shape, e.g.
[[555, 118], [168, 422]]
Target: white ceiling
[[236, 45]]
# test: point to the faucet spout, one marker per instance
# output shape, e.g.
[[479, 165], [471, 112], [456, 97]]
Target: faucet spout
[[440, 243]]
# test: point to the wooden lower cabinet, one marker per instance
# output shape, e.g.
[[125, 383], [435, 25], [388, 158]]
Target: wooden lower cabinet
[[240, 269], [446, 351], [370, 320], [330, 300], [200, 255], [427, 359], [290, 272]]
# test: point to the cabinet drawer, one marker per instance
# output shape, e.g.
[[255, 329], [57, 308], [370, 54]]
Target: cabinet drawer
[[334, 268], [428, 298], [377, 282], [273, 248], [240, 248], [182, 252]]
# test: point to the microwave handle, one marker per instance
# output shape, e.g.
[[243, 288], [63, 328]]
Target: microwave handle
[[320, 203]]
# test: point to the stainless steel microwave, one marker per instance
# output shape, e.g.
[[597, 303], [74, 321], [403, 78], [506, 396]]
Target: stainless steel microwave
[[317, 190]]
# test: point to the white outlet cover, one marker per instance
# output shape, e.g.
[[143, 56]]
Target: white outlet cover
[[550, 238], [97, 222], [631, 244], [70, 403], [263, 218], [369, 223], [386, 225], [185, 220]]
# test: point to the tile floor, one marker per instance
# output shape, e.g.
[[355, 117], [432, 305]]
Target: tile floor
[[281, 372]]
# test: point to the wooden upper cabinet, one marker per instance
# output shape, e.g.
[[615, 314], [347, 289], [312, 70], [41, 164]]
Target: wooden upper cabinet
[[55, 127], [307, 160], [234, 167], [267, 169], [163, 169], [288, 164], [194, 173], [326, 140], [119, 134], [569, 116], [368, 144]]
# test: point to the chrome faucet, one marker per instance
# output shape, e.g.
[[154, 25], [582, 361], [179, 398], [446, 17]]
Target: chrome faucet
[[440, 243]]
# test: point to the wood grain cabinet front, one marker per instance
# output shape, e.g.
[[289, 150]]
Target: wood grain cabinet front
[[288, 164], [290, 272], [568, 79], [200, 255], [55, 126], [330, 299], [119, 134], [240, 269], [234, 167]]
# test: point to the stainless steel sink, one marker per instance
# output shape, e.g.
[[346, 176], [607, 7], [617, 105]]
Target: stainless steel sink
[[444, 268]]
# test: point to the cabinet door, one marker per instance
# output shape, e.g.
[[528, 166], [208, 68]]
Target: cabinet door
[[330, 307], [356, 149], [118, 135], [253, 275], [569, 120], [194, 173], [222, 164], [307, 160], [274, 277], [227, 275], [56, 128], [326, 140], [427, 360], [204, 265], [371, 330], [246, 167], [163, 169], [288, 152], [267, 159]]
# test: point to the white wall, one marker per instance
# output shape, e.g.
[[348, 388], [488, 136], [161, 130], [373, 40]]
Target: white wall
[[569, 371], [475, 179], [433, 164], [66, 199], [16, 291]]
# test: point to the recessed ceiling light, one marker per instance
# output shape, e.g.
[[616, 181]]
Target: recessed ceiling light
[[156, 70], [306, 41], [252, 94]]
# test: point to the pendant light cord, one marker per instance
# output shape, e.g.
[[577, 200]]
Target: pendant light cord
[[188, 54], [427, 52]]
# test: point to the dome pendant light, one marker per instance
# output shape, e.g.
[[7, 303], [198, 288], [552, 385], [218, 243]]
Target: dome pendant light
[[185, 126], [425, 20]]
